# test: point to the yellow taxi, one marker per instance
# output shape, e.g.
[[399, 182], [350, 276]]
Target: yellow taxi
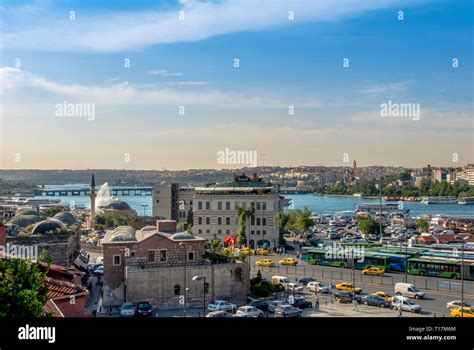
[[348, 287], [384, 295], [289, 261], [247, 251], [373, 271], [265, 262], [466, 312], [263, 251]]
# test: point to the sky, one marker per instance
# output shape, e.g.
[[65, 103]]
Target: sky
[[174, 84]]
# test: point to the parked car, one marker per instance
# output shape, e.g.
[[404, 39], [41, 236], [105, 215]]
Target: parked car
[[305, 280], [384, 295], [408, 290], [219, 314], [127, 310], [334, 235], [287, 247], [248, 311], [265, 262], [466, 312], [99, 271], [348, 287], [144, 309], [405, 303], [346, 297], [289, 262], [318, 287], [274, 304], [287, 310], [259, 304], [374, 300], [302, 303], [375, 271], [221, 305], [280, 280], [294, 288], [456, 304]]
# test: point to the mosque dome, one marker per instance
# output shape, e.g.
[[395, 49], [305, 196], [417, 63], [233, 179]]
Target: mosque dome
[[181, 236], [121, 233], [46, 226], [24, 220], [67, 218], [117, 205]]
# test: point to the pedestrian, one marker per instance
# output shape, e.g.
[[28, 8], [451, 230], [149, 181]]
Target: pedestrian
[[399, 311], [316, 302], [355, 305]]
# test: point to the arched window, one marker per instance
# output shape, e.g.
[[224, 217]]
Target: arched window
[[238, 274], [177, 289]]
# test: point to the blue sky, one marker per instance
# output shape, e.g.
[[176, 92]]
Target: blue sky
[[190, 63]]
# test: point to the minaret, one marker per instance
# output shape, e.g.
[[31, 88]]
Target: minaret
[[93, 195]]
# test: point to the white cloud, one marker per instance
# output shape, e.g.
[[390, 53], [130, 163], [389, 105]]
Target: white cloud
[[126, 31], [143, 95]]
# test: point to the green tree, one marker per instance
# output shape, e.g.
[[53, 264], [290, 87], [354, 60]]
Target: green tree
[[422, 225], [244, 213], [303, 220], [282, 220], [23, 292], [367, 225]]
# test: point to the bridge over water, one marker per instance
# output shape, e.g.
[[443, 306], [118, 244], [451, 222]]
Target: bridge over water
[[117, 191]]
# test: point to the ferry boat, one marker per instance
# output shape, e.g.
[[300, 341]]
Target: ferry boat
[[466, 200], [439, 200]]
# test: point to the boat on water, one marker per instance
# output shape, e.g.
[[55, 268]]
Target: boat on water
[[466, 201], [439, 200]]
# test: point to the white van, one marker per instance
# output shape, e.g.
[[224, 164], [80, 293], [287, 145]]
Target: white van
[[408, 290], [280, 280], [405, 303]]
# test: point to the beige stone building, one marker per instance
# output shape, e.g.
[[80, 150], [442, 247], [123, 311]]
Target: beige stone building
[[157, 264]]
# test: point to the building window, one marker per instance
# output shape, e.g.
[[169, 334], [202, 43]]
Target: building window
[[199, 220], [258, 232], [163, 255], [208, 221], [199, 231], [190, 256], [252, 232], [227, 221], [258, 205], [236, 205], [208, 205], [200, 205], [219, 221], [208, 231], [258, 221], [264, 221], [264, 205], [264, 232], [219, 231], [177, 289], [227, 205], [238, 274], [252, 221], [252, 204], [227, 232], [206, 288], [132, 254], [117, 260], [219, 205], [151, 256]]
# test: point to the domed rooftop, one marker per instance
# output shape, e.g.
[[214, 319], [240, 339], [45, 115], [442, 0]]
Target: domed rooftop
[[27, 211], [181, 236], [66, 217], [24, 220], [46, 226], [117, 205], [121, 233]]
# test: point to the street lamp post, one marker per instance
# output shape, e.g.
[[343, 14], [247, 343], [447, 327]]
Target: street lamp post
[[183, 244], [462, 277], [380, 210], [144, 212], [198, 278]]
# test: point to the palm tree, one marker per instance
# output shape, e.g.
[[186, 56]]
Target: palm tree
[[244, 213]]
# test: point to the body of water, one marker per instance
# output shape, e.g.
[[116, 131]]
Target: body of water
[[318, 204]]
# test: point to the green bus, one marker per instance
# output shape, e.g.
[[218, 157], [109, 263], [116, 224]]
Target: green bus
[[326, 258], [434, 267], [320, 257]]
